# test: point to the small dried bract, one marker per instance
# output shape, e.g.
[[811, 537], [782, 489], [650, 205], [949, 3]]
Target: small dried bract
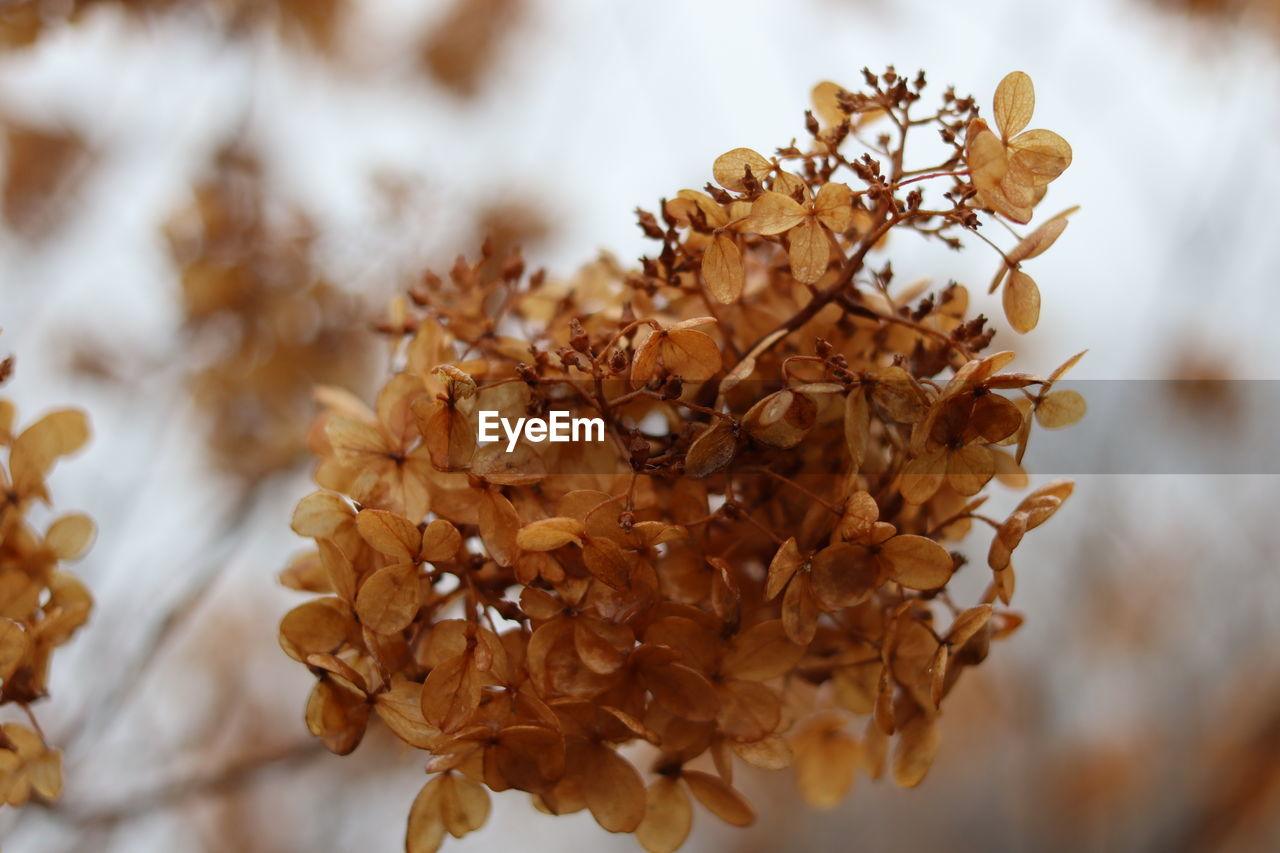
[[756, 560]]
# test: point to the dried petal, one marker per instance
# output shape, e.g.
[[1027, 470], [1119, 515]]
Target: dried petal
[[720, 799], [1021, 302], [1015, 101], [722, 269], [550, 533], [917, 562], [668, 817], [389, 598], [730, 168], [918, 742], [773, 213], [613, 788], [1060, 409], [809, 250]]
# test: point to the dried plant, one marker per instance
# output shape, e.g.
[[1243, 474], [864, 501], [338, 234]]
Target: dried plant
[[276, 327], [41, 604], [753, 559]]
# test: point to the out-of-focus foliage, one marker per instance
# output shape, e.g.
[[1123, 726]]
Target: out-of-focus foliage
[[24, 21], [42, 167], [272, 325], [464, 45], [41, 604]]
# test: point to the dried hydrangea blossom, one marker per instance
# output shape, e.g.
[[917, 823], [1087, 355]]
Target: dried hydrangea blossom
[[41, 604], [270, 323], [754, 561]]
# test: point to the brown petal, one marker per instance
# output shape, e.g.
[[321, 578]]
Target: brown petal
[[550, 533], [613, 789], [917, 562], [451, 693], [769, 753], [918, 742], [69, 537], [748, 710], [1014, 103], [464, 805], [809, 250], [826, 757], [321, 515], [1061, 409], [1021, 302], [712, 450], [401, 709], [1043, 154], [773, 213], [985, 155], [969, 469], [922, 477], [440, 541], [761, 652], [722, 269], [720, 799], [448, 434], [1006, 540], [832, 206], [389, 533], [15, 643], [968, 623], [857, 427], [426, 830], [389, 598], [668, 816], [1038, 241], [498, 525], [730, 168], [337, 716], [691, 354], [607, 562], [530, 758], [781, 568], [711, 209], [644, 364], [338, 569], [800, 611], [682, 691], [860, 514], [596, 651], [843, 575], [317, 626]]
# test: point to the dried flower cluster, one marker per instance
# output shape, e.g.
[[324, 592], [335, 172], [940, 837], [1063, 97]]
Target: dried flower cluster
[[754, 559], [272, 325], [41, 604]]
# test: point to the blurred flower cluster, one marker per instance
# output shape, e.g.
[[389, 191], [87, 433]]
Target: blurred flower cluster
[[271, 326], [41, 604]]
